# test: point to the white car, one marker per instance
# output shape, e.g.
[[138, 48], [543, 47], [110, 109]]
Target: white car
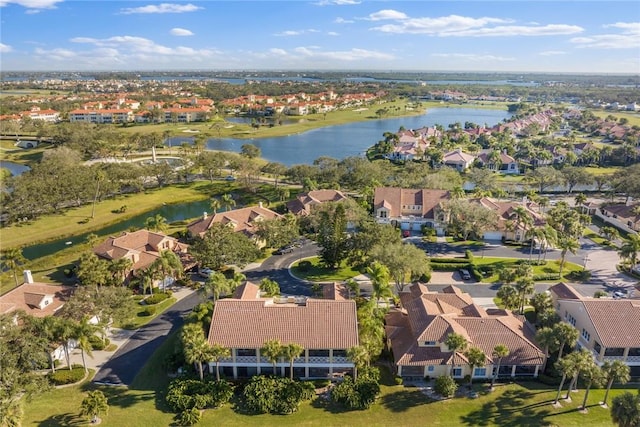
[[205, 272]]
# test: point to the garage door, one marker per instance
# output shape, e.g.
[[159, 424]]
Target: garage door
[[417, 226], [492, 235], [404, 226]]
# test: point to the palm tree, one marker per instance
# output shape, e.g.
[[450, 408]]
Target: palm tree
[[522, 219], [353, 287], [455, 342], [615, 371], [625, 410], [218, 353], [360, 358], [120, 268], [156, 223], [524, 286], [94, 405], [228, 202], [379, 275], [237, 280], [499, 352], [169, 265], [548, 340], [580, 199], [566, 335], [568, 367], [215, 205], [583, 360], [272, 350], [83, 331], [550, 239], [216, 285], [63, 333], [590, 373], [290, 352], [195, 346], [630, 249], [567, 244], [476, 358], [11, 260]]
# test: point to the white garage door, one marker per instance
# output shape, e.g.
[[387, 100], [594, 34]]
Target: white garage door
[[492, 235], [417, 226], [404, 226]]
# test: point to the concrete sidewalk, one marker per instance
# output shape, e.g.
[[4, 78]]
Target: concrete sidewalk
[[118, 337]]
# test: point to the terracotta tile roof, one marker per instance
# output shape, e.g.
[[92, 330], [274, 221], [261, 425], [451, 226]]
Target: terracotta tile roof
[[430, 316], [248, 290], [303, 203], [395, 198], [243, 220], [627, 212], [335, 291], [564, 291], [617, 322], [505, 210], [317, 324], [29, 296]]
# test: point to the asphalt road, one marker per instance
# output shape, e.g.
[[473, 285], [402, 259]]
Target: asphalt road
[[127, 361]]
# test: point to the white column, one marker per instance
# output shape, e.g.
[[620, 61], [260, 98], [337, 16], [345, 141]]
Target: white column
[[535, 373], [330, 362], [233, 360], [258, 361], [399, 373], [625, 355], [306, 362], [513, 371]]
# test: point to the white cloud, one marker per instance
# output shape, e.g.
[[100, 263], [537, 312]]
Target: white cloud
[[140, 45], [180, 32], [387, 14], [629, 27], [333, 33], [464, 26], [552, 53], [337, 2], [32, 4], [5, 48], [314, 53], [290, 33], [629, 38], [340, 20], [473, 57], [161, 8]]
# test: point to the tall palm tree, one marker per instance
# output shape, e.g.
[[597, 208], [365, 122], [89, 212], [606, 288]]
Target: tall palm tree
[[195, 347], [625, 410], [218, 353], [94, 405], [84, 330], [524, 286], [228, 202], [548, 340], [11, 260], [156, 223], [455, 342], [380, 278], [583, 360], [566, 335], [567, 244], [120, 269], [568, 367], [216, 285], [615, 371], [580, 200], [169, 265], [550, 239], [290, 352], [64, 332], [590, 373], [353, 287], [360, 358], [500, 351], [272, 350], [630, 249], [521, 219], [476, 358], [215, 205]]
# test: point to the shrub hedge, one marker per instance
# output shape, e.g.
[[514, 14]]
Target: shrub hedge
[[67, 376], [156, 298]]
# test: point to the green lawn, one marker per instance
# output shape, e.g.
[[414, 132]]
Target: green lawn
[[320, 273], [549, 268], [140, 319]]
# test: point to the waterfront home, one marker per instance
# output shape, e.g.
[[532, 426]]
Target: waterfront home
[[458, 160], [417, 332], [411, 209], [325, 328], [304, 203], [504, 163], [509, 226], [35, 298], [243, 220], [609, 328]]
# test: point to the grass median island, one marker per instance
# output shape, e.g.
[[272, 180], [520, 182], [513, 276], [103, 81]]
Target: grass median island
[[313, 270]]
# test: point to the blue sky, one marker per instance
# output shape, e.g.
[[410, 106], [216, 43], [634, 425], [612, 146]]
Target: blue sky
[[447, 35]]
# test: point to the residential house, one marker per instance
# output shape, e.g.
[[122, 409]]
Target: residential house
[[508, 226], [609, 328], [243, 220], [417, 332], [35, 298], [142, 247], [304, 203], [325, 328], [508, 164], [627, 214], [410, 209], [458, 160]]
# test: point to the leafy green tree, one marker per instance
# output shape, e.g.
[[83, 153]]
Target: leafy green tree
[[445, 386], [566, 245], [455, 342], [228, 201], [614, 372], [575, 175], [250, 151], [470, 218], [82, 333], [625, 410], [222, 246], [93, 270], [269, 287], [156, 223], [547, 338], [583, 360], [568, 366], [610, 233], [404, 261], [168, 264], [216, 284], [371, 234], [541, 302], [543, 178], [278, 231], [630, 249], [360, 358], [332, 237], [290, 352], [94, 405], [591, 374], [379, 275], [12, 259], [272, 351], [524, 286], [509, 297], [189, 417], [476, 358], [500, 351]]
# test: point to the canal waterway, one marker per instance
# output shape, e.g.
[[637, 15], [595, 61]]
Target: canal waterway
[[14, 168]]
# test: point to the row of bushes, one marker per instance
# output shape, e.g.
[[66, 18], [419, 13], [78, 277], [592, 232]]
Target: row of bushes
[[156, 298], [65, 376], [450, 261], [445, 266], [184, 394], [98, 343]]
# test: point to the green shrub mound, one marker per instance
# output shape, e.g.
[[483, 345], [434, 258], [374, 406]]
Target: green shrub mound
[[186, 394], [98, 343], [358, 394], [188, 417], [450, 261], [276, 395], [156, 298], [65, 376], [445, 386]]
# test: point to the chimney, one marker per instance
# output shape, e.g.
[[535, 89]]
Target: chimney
[[204, 215], [629, 201], [260, 204], [28, 277]]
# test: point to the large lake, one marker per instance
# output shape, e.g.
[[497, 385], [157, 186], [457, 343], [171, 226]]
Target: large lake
[[351, 139]]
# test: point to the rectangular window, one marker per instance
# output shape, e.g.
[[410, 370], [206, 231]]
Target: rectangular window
[[246, 352], [597, 347], [480, 372], [586, 335], [431, 368], [457, 372], [430, 343], [318, 353]]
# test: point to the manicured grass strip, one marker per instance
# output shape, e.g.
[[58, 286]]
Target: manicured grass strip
[[319, 273], [551, 267], [140, 319]]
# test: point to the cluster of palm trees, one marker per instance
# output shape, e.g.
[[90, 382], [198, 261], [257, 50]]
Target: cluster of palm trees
[[475, 357], [273, 350], [168, 264], [515, 297], [217, 284], [197, 349]]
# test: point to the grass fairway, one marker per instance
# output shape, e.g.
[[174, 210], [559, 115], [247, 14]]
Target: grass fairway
[[319, 273]]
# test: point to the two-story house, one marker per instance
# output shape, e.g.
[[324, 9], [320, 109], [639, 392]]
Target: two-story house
[[325, 328], [417, 334], [609, 328], [410, 209], [304, 203]]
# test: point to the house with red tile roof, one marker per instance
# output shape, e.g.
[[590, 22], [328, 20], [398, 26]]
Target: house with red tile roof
[[34, 298], [410, 209], [325, 328], [508, 227], [609, 328], [242, 220], [625, 213], [458, 160], [304, 203], [508, 164], [417, 332]]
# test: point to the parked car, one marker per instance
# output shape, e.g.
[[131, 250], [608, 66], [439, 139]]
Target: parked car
[[465, 274], [283, 250], [406, 233], [205, 272], [230, 178]]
